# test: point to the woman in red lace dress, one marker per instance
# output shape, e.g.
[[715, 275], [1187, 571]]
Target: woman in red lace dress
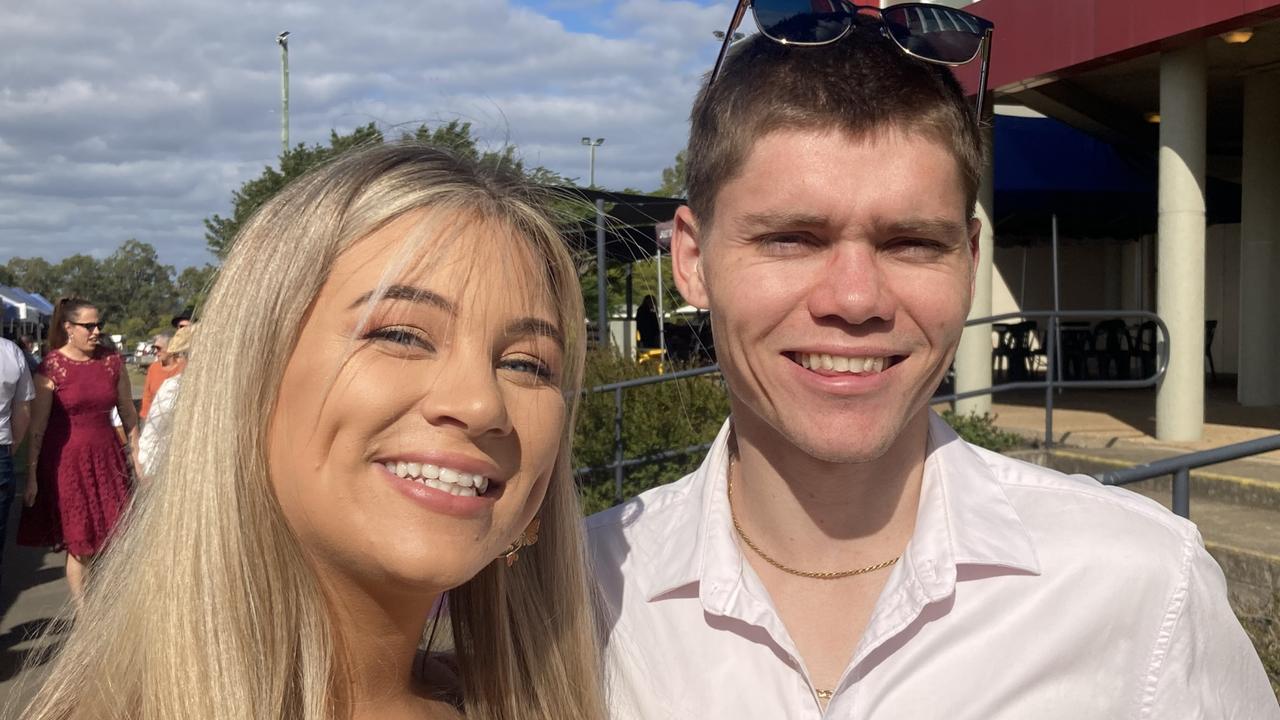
[[78, 481]]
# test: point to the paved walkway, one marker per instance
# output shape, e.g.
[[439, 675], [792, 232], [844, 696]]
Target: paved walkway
[[1107, 418], [32, 591]]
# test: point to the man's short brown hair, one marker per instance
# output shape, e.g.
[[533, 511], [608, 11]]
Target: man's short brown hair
[[860, 84]]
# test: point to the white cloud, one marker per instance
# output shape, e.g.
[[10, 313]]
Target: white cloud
[[139, 118]]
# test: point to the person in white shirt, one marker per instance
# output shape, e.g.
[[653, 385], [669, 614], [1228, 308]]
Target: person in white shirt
[[16, 393], [155, 433], [841, 553]]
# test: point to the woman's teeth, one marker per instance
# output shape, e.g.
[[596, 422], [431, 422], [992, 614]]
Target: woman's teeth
[[841, 363], [444, 479]]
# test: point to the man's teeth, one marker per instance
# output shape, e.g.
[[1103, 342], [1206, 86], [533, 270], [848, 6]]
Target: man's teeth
[[841, 363], [441, 478]]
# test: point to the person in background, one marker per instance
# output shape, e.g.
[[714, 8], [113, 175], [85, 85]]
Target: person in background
[[166, 365], [77, 477], [16, 392], [155, 434], [181, 320], [647, 323], [28, 345]]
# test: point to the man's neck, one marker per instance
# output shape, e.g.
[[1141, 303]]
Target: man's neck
[[816, 515]]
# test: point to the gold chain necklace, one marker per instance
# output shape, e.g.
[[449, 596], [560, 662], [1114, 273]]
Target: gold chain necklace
[[790, 570]]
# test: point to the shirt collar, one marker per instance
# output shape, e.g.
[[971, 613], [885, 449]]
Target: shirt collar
[[690, 538], [964, 518]]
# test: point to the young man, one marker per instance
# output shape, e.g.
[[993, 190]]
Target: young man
[[841, 553]]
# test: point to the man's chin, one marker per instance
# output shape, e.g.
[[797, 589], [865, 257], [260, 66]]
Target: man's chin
[[851, 442], [845, 451]]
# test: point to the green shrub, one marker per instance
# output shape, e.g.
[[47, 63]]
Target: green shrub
[[656, 418], [981, 430]]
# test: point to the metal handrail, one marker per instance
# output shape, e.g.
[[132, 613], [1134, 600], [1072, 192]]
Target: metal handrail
[[1180, 468], [1053, 359], [620, 462]]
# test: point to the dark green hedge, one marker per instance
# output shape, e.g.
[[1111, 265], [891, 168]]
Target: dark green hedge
[[656, 418]]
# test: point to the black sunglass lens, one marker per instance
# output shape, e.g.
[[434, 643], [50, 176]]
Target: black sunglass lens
[[802, 21], [934, 33]]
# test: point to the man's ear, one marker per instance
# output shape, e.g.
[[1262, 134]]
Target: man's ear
[[686, 259], [975, 233]]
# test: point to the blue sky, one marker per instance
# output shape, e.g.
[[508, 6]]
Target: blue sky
[[139, 119]]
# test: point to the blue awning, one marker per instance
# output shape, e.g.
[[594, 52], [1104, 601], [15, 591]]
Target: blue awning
[[1045, 167]]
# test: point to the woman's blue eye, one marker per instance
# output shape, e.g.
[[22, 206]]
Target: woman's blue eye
[[400, 336], [530, 366]]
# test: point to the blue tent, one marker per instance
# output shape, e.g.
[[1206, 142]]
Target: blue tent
[[35, 305]]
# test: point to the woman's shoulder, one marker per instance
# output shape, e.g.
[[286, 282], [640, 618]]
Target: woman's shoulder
[[110, 359], [52, 366]]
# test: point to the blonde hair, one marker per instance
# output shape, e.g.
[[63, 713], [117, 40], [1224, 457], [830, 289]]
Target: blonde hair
[[180, 343], [204, 606]]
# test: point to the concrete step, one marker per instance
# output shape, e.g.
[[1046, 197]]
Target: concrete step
[[1249, 483]]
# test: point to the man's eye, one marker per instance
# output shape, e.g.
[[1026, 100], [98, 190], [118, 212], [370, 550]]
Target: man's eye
[[786, 241], [920, 246], [401, 336]]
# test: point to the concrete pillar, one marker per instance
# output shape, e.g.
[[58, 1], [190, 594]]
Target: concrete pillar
[[1259, 381], [973, 357], [1181, 230]]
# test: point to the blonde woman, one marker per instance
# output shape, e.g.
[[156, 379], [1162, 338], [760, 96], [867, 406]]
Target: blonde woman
[[402, 438]]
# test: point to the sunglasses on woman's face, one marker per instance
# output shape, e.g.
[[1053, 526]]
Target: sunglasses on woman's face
[[932, 33], [90, 327]]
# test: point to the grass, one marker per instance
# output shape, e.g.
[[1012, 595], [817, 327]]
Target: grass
[[137, 375], [1264, 631]]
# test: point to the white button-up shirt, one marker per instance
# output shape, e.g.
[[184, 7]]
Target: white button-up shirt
[[1023, 593], [15, 386]]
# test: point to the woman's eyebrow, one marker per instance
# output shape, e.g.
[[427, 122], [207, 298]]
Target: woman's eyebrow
[[535, 326], [409, 293]]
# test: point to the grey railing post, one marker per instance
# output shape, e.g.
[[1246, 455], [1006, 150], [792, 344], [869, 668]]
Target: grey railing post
[[1182, 492], [617, 444], [1050, 367]]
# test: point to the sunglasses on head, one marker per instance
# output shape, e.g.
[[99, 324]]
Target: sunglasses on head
[[933, 33], [89, 326]]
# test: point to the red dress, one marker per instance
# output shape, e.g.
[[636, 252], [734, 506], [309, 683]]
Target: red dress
[[82, 476]]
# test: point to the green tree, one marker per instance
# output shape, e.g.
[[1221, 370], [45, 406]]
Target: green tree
[[193, 285], [34, 275], [220, 232], [455, 135], [79, 275], [136, 285], [673, 178]]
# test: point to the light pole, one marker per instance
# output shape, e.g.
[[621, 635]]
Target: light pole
[[593, 144], [283, 41]]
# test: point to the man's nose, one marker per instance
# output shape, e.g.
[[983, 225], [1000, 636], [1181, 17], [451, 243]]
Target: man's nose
[[851, 285]]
